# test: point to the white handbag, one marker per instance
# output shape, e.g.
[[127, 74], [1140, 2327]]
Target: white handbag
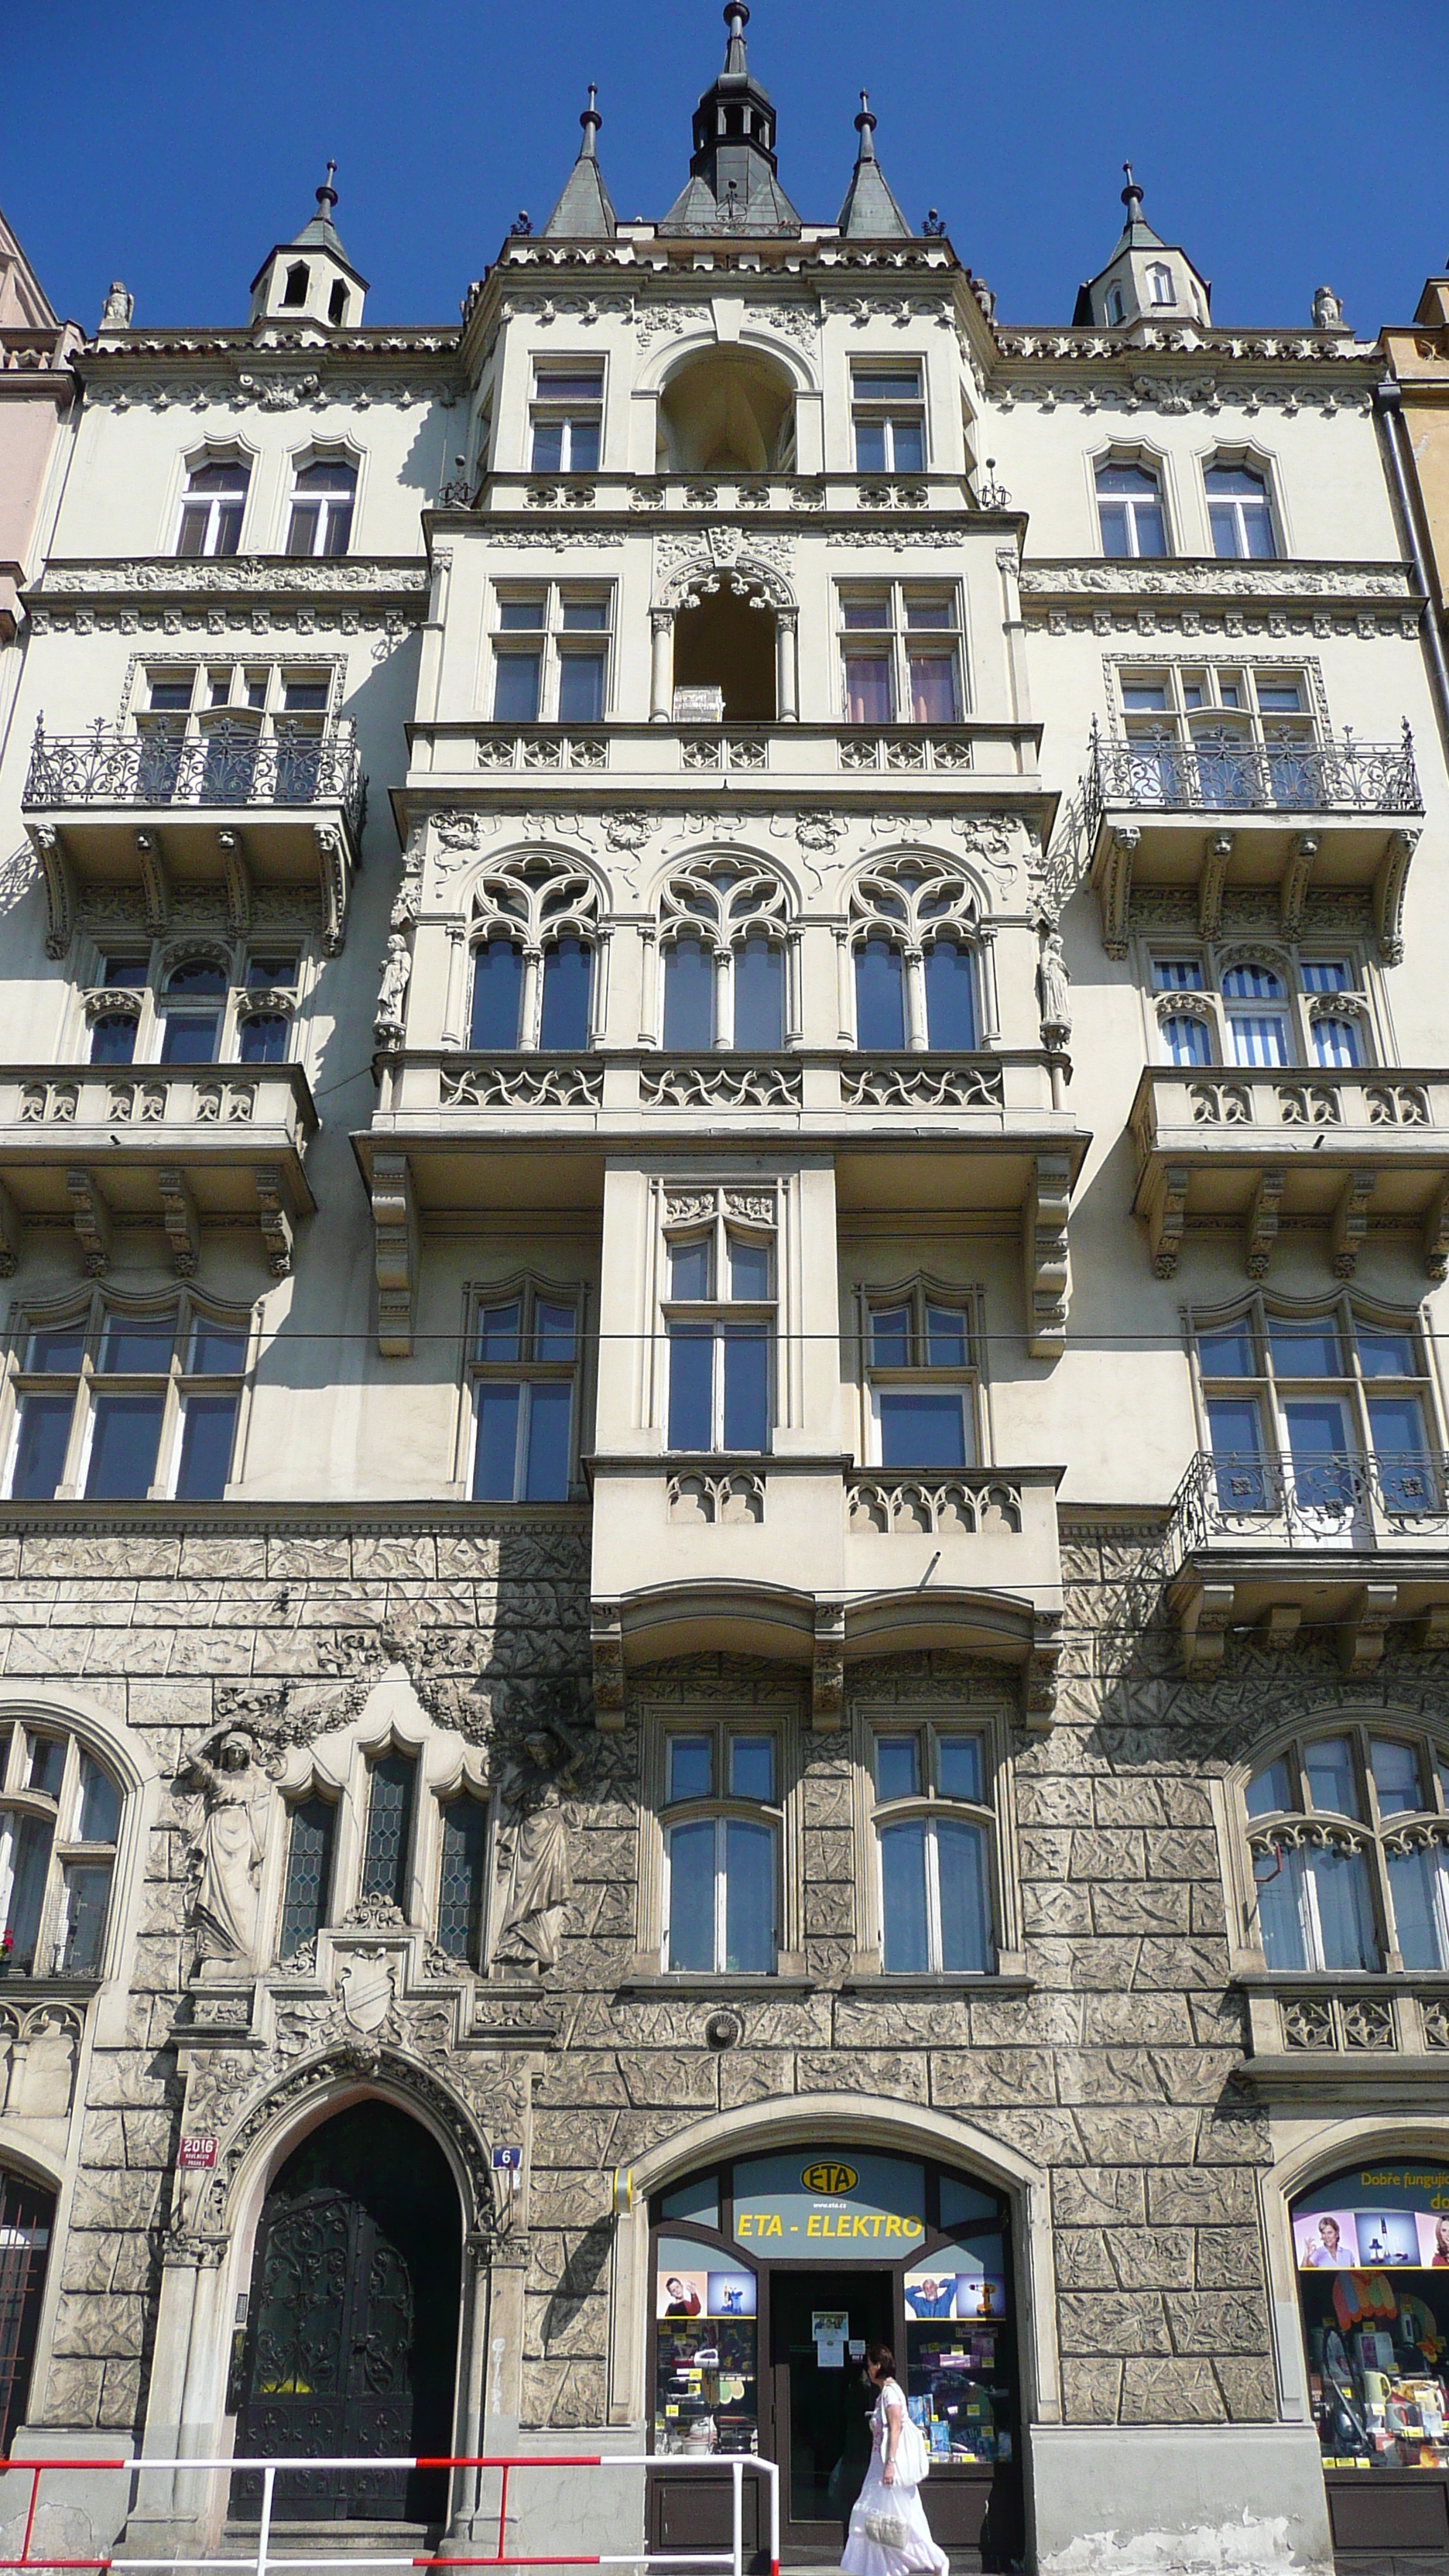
[[885, 2530], [913, 2460]]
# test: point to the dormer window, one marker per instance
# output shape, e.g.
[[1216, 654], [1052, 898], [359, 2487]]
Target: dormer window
[[323, 494], [1159, 283], [211, 513]]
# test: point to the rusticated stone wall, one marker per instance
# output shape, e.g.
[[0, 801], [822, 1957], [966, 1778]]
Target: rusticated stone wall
[[1119, 2071]]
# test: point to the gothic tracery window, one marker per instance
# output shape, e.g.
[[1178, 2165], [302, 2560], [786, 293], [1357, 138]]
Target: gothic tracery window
[[535, 926], [915, 937], [723, 930]]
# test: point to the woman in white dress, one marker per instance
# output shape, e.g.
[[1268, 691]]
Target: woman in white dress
[[889, 2534]]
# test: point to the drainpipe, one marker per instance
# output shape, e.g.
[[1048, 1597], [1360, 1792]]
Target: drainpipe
[[1389, 408]]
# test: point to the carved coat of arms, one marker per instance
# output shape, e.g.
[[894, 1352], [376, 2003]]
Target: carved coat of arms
[[366, 1987]]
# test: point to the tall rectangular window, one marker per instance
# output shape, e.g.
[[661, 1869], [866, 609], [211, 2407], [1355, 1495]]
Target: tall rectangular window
[[922, 1382], [933, 1837], [132, 1403], [721, 1821], [524, 1371], [901, 652], [551, 649], [566, 417], [462, 1880], [308, 1886], [388, 1841], [889, 418], [719, 1328]]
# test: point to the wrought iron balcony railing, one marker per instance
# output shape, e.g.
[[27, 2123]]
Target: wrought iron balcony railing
[[1223, 772], [227, 765], [1338, 1497]]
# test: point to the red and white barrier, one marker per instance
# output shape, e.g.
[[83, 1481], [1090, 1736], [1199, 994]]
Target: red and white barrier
[[265, 2559]]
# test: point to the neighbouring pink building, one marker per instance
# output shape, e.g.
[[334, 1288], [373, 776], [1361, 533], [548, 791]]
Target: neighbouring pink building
[[36, 390]]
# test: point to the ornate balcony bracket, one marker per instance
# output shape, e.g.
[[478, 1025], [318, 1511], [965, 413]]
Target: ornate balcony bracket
[[395, 1224], [606, 1639], [1047, 1256], [1039, 1681]]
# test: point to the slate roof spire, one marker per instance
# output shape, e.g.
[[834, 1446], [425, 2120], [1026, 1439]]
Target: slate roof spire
[[733, 184], [870, 212], [583, 212]]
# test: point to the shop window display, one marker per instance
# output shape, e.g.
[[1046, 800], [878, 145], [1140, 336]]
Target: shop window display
[[769, 2276], [1372, 2249]]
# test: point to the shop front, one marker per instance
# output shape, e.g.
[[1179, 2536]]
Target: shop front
[[770, 2275], [1371, 2246]]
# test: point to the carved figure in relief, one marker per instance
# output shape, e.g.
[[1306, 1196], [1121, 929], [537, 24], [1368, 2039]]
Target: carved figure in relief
[[42, 2069], [1327, 309], [228, 1842], [1054, 986], [397, 968], [540, 1879]]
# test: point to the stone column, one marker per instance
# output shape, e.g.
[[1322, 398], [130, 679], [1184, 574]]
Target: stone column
[[661, 666], [787, 666], [917, 1038], [724, 996], [455, 1007], [531, 998]]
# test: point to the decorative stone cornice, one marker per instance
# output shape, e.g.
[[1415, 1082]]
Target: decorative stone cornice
[[1205, 578], [247, 576]]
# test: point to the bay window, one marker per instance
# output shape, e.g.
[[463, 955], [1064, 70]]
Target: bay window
[[719, 1332]]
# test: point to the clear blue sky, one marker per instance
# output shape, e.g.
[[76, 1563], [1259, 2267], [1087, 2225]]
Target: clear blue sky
[[1283, 142]]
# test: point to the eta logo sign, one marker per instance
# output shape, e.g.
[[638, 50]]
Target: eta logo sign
[[830, 2178]]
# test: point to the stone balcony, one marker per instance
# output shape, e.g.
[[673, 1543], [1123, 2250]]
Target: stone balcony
[[1249, 1150], [985, 1134], [230, 811], [817, 1562], [455, 756], [1293, 816], [641, 498], [103, 1150], [1351, 1543]]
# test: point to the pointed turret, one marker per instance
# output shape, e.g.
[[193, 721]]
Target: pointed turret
[[23, 300], [583, 212], [1145, 280], [870, 212], [311, 279], [733, 186]]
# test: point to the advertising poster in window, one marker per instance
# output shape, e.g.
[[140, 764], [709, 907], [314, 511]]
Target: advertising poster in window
[[705, 2396], [958, 2365], [1372, 2250]]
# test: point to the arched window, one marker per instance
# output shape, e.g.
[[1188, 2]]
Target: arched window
[[295, 290], [1239, 512], [722, 1821], [211, 513], [60, 1814], [193, 1004], [307, 1886], [723, 929], [322, 497], [1348, 1835], [1129, 510], [933, 1837], [914, 932], [1159, 283], [27, 2219], [1255, 1006], [534, 925]]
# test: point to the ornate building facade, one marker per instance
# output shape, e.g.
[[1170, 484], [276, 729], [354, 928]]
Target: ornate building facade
[[724, 1192]]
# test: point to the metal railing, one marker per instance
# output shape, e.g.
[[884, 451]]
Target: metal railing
[[1338, 1495], [1225, 772], [229, 764], [264, 2558]]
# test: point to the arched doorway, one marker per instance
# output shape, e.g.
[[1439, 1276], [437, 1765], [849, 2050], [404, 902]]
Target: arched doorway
[[27, 2218], [352, 2322], [769, 2275]]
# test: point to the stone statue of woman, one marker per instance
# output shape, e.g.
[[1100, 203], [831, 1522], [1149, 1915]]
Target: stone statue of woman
[[228, 1842], [540, 1875], [1054, 986]]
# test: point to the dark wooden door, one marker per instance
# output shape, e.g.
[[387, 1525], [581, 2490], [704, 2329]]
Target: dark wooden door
[[353, 2323]]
